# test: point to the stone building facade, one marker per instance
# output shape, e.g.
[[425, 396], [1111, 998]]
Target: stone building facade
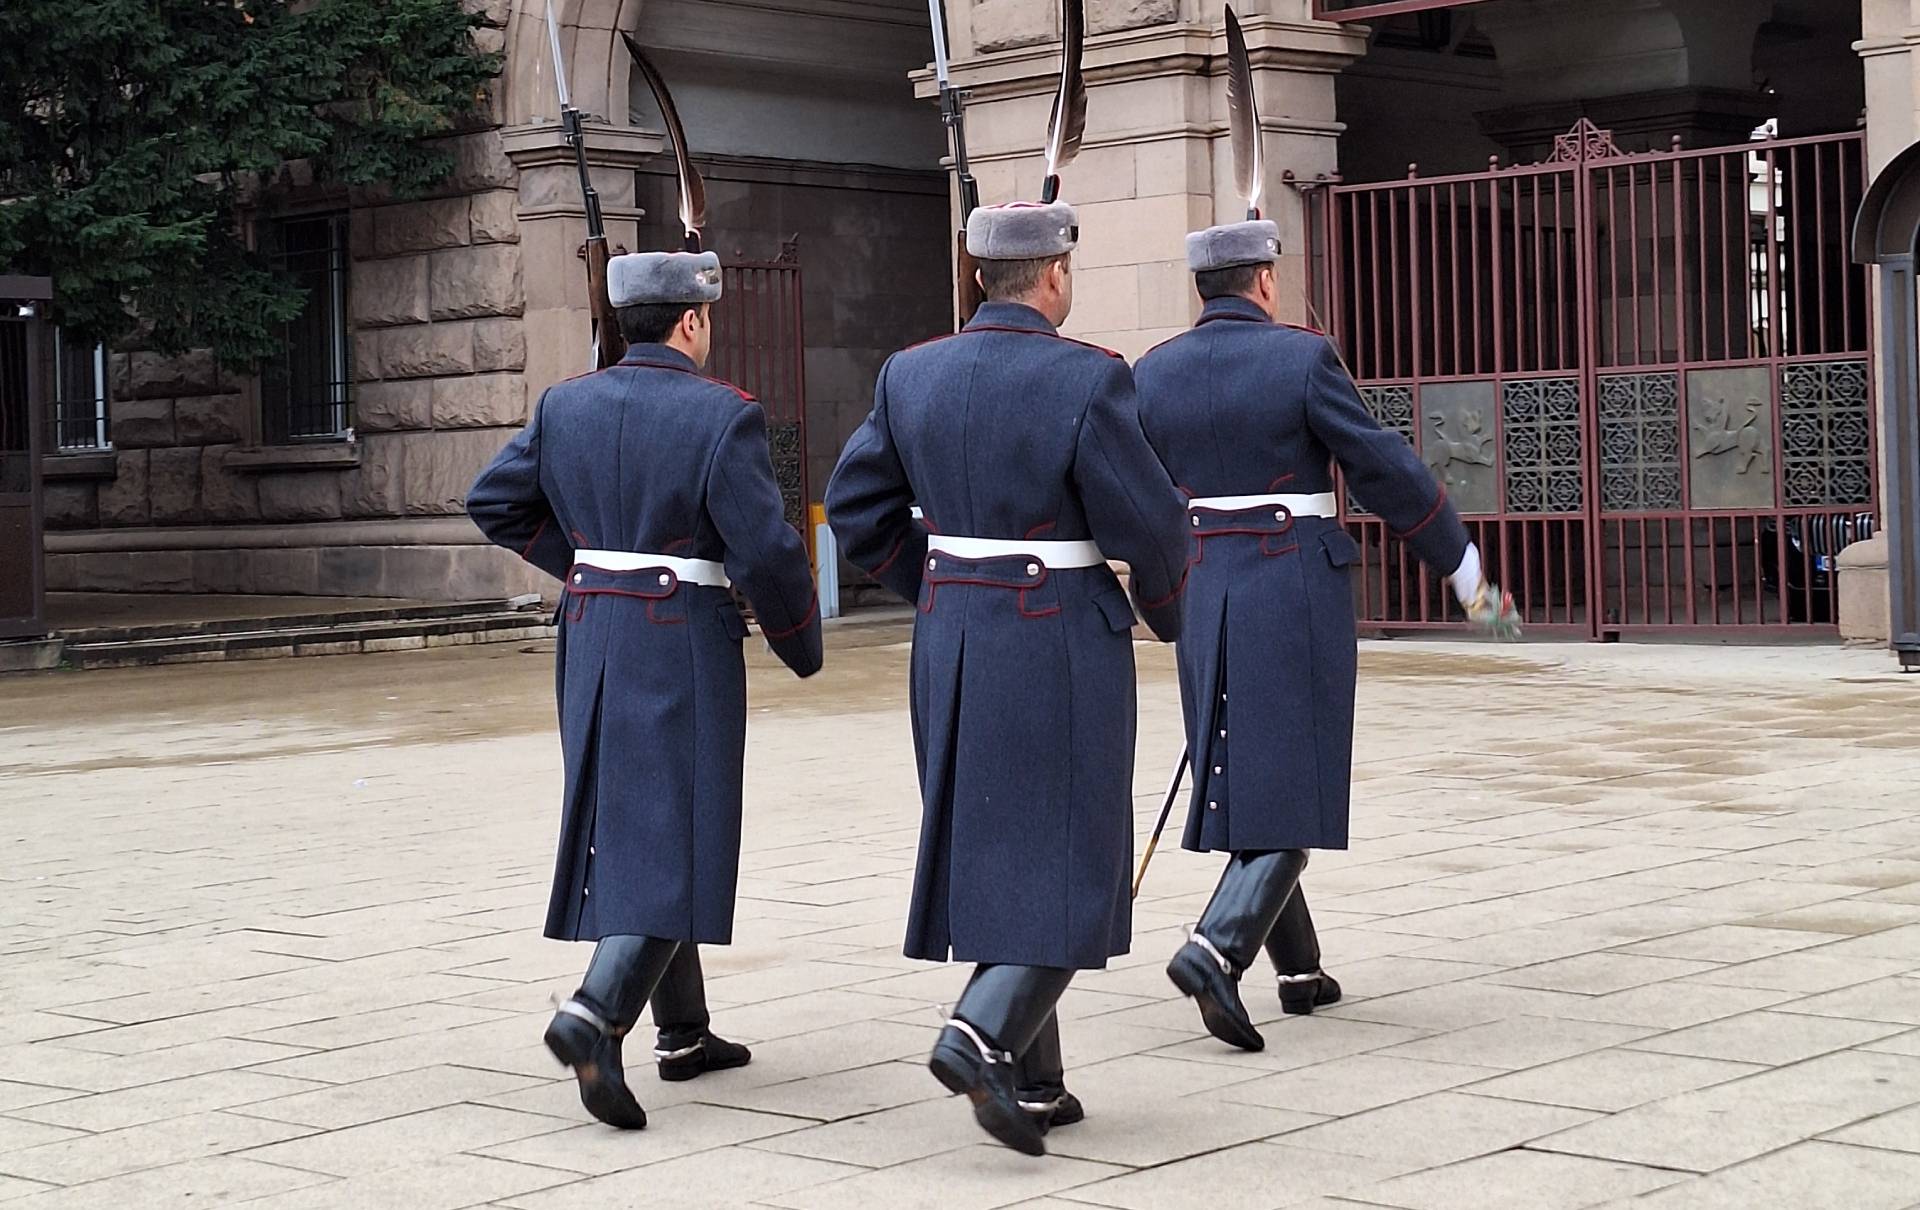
[[815, 120]]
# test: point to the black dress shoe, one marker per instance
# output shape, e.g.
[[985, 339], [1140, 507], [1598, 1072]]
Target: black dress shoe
[[1197, 973], [706, 1053], [1301, 994], [578, 1037], [1063, 1110], [964, 1065]]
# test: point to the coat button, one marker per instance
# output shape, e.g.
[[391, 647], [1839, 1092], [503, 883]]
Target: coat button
[[1213, 806], [1033, 569], [585, 891], [593, 852], [1223, 733], [931, 564], [577, 577], [1218, 770], [665, 578], [1196, 523], [1281, 515]]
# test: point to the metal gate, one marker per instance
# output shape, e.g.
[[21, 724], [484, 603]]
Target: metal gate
[[22, 585], [1645, 380], [759, 345]]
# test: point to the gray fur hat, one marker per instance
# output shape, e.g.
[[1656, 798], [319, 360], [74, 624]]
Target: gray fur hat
[[663, 277], [1022, 230], [1254, 242]]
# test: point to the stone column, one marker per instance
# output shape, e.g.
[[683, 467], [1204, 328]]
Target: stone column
[[1156, 162], [1890, 32], [553, 233]]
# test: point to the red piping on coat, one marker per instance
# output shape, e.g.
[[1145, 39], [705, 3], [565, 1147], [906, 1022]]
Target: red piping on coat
[[813, 607], [1439, 503], [538, 530]]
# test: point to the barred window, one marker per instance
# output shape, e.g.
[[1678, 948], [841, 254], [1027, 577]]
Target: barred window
[[79, 395], [306, 391]]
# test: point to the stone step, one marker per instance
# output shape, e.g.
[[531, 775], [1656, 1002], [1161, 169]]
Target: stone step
[[352, 637], [319, 618]]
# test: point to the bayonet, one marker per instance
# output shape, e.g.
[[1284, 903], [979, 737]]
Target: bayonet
[[953, 113], [608, 346]]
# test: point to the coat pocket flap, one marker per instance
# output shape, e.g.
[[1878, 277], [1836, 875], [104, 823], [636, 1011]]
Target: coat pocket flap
[[1117, 608], [1342, 550], [732, 620]]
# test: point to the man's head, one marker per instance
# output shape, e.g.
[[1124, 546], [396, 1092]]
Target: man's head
[[1025, 250], [687, 328], [666, 298], [1043, 283], [1236, 260]]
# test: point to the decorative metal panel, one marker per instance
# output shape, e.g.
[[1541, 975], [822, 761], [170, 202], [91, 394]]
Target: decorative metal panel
[[1541, 418], [1393, 408], [1730, 437], [1639, 443], [1459, 442], [1825, 443], [788, 446]]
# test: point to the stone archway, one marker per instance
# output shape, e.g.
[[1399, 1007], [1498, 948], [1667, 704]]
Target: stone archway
[[598, 69]]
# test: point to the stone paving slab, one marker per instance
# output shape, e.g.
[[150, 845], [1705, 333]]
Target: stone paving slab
[[1645, 933]]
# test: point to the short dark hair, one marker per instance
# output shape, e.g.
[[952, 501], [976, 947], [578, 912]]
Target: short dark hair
[[651, 323], [1003, 279], [1229, 282]]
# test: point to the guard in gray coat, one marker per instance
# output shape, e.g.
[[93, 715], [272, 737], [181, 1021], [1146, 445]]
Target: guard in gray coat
[[1025, 452], [649, 489], [1250, 416]]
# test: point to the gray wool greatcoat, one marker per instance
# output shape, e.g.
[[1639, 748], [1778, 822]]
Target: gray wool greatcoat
[[648, 456], [1022, 675], [1241, 405]]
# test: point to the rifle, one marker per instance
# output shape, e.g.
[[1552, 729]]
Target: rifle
[[608, 345], [953, 113]]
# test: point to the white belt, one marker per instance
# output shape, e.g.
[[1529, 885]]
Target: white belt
[[687, 571], [1319, 504], [1058, 555]]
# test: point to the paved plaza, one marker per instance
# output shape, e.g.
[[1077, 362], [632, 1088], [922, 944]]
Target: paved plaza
[[1622, 925]]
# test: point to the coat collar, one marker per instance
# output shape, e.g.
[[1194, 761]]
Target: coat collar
[[1232, 307], [1010, 315], [659, 355]]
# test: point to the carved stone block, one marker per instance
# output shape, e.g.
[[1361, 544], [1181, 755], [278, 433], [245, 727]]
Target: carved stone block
[[479, 401], [124, 500], [426, 351], [173, 485], [389, 292], [468, 283], [385, 407], [499, 344], [1005, 24], [1730, 438], [1106, 16], [210, 419], [225, 495], [420, 226], [300, 496]]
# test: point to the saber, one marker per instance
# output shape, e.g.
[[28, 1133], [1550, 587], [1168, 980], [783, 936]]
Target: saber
[[1166, 809]]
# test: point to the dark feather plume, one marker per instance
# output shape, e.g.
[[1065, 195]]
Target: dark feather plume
[[1068, 124], [693, 192], [1243, 118]]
